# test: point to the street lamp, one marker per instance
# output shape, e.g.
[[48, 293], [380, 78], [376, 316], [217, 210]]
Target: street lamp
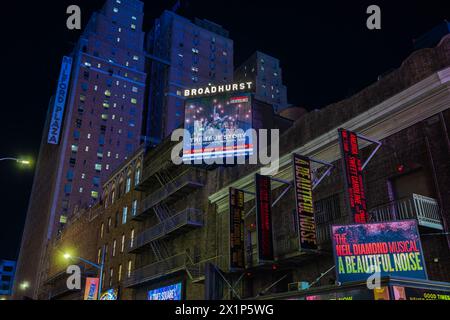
[[19, 161], [100, 267], [24, 285]]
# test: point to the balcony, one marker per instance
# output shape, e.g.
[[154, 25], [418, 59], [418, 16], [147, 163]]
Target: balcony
[[177, 189], [157, 270], [423, 209], [182, 222]]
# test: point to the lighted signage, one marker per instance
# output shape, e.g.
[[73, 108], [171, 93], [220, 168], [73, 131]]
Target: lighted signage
[[390, 249], [173, 292], [353, 175], [237, 253], [91, 289], [304, 203], [111, 294], [402, 293], [60, 102], [264, 218], [217, 127], [213, 90], [350, 295]]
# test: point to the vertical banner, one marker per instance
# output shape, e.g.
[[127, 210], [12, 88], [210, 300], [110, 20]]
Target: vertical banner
[[352, 168], [264, 218], [237, 252], [91, 289], [60, 101], [304, 203]]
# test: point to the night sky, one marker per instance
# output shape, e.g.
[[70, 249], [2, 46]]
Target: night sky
[[326, 53]]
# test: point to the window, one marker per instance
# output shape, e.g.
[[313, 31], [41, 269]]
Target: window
[[96, 181], [114, 248], [135, 89], [120, 273], [135, 58], [82, 97], [105, 117], [70, 175], [122, 247], [94, 194], [137, 176], [135, 206], [124, 215], [134, 101], [111, 275], [74, 148], [133, 26], [102, 230], [128, 187], [99, 256], [130, 263], [116, 10], [108, 93], [132, 239], [98, 167], [68, 188], [109, 223]]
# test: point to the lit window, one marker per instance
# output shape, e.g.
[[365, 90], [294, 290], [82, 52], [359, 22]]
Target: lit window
[[81, 190], [135, 89], [134, 18], [133, 26], [124, 215], [111, 275], [137, 177], [108, 93], [102, 230], [98, 167], [122, 247], [89, 136], [136, 58], [194, 50], [132, 239], [87, 64], [86, 149], [129, 268], [118, 39], [105, 116], [114, 248], [116, 10], [74, 148], [99, 256], [120, 273], [106, 104], [128, 187], [82, 97], [94, 194], [83, 176], [135, 207]]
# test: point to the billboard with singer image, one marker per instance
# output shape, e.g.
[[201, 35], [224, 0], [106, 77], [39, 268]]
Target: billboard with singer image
[[216, 127]]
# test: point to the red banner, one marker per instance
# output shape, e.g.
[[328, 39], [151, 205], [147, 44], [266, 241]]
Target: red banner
[[237, 252], [264, 218], [353, 175], [91, 290]]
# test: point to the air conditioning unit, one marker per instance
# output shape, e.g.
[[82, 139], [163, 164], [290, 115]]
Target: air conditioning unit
[[298, 286]]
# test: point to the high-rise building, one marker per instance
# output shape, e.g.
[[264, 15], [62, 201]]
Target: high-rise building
[[266, 74], [186, 54], [7, 271], [93, 125]]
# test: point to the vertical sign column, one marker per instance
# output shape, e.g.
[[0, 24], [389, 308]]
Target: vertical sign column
[[264, 218], [237, 253], [352, 168], [60, 102], [304, 203]]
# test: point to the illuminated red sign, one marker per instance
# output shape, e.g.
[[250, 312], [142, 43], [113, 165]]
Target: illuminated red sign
[[352, 166], [264, 218], [237, 253], [304, 203]]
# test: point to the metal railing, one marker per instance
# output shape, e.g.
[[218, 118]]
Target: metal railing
[[157, 270], [195, 179], [187, 217], [424, 209]]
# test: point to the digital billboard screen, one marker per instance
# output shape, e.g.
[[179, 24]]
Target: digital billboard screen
[[216, 127], [390, 249], [172, 292]]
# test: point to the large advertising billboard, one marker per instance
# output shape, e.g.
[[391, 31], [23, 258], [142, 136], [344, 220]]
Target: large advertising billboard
[[353, 178], [172, 292], [404, 293], [237, 253], [91, 289], [56, 122], [216, 127], [264, 218], [304, 203], [390, 249]]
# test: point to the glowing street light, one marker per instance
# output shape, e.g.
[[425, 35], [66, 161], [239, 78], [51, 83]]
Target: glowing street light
[[24, 285], [24, 162]]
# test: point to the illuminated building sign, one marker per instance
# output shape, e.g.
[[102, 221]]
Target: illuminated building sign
[[111, 294], [402, 293], [173, 292], [353, 175], [237, 254], [304, 203], [216, 127], [60, 102], [212, 90], [91, 289], [392, 249], [264, 218]]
